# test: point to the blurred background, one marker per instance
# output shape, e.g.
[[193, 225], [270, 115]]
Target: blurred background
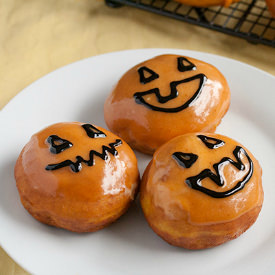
[[38, 36]]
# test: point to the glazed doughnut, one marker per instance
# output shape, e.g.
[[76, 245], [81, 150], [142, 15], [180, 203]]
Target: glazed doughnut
[[76, 176], [271, 7], [207, 3], [164, 97], [201, 190]]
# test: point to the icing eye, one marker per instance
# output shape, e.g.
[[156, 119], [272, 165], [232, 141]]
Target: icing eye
[[92, 131], [57, 144], [211, 143], [185, 65], [146, 75], [185, 160]]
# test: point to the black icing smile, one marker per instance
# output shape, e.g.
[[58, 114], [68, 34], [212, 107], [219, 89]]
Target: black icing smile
[[139, 97], [58, 145], [186, 160], [183, 65]]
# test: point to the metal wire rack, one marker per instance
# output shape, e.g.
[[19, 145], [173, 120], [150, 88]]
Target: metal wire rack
[[248, 19]]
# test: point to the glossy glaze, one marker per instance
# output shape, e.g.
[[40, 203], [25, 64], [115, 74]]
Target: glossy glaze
[[81, 201], [187, 96], [207, 3], [190, 191]]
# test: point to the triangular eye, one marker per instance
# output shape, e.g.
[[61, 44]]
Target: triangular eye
[[185, 160], [211, 143], [93, 132], [57, 144], [146, 75], [185, 65]]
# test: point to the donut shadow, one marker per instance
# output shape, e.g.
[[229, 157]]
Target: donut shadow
[[133, 229]]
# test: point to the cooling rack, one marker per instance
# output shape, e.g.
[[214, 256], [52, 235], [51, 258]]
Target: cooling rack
[[248, 19]]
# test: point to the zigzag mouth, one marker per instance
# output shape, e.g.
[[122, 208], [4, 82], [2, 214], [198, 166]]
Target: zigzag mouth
[[195, 181], [139, 96], [76, 166]]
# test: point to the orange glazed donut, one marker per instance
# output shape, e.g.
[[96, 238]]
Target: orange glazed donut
[[164, 97], [207, 3], [271, 7], [76, 176], [201, 190]]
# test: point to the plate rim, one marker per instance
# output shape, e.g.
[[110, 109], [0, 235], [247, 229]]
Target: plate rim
[[132, 50], [152, 50]]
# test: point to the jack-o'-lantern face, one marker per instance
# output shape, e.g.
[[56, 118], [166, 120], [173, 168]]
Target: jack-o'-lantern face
[[229, 175], [162, 94], [87, 148]]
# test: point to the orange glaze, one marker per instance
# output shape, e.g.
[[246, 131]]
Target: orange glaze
[[271, 7], [83, 201], [190, 218], [145, 129], [207, 3]]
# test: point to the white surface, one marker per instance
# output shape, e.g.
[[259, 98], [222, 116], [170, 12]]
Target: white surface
[[77, 93]]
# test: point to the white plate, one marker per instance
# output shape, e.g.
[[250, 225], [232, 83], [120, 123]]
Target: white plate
[[77, 93]]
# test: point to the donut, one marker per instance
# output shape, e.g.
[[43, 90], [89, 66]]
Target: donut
[[207, 3], [201, 190], [76, 176], [165, 97], [271, 7]]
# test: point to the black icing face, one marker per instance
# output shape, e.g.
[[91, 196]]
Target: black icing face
[[187, 160], [147, 75], [57, 145]]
